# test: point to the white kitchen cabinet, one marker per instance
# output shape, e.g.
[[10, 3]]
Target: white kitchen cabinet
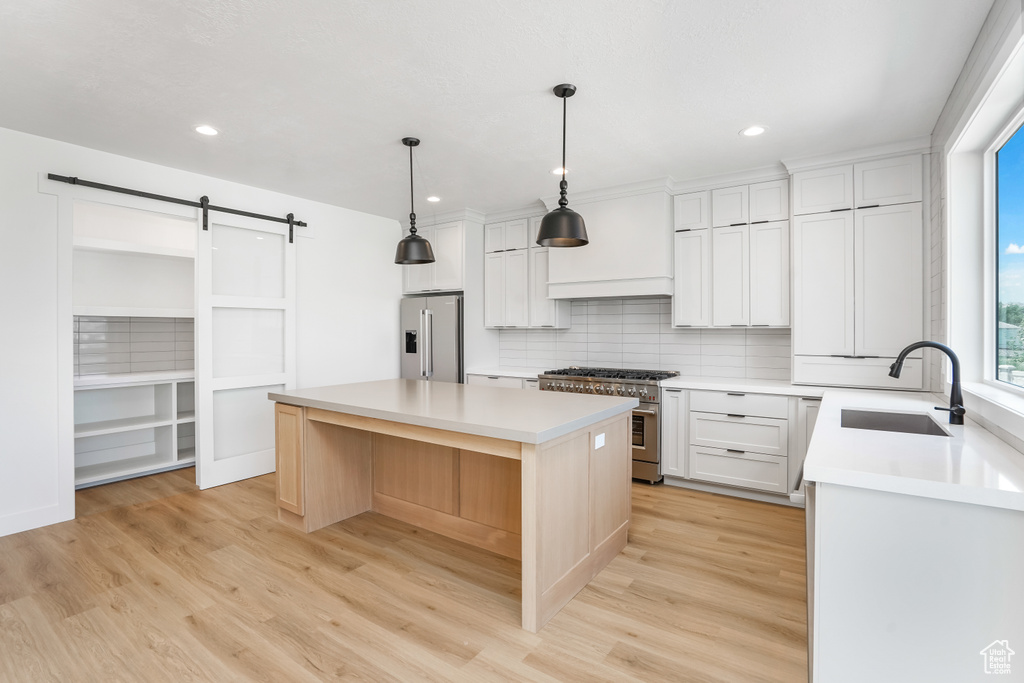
[[447, 273], [823, 190], [740, 433], [730, 276], [806, 417], [729, 206], [749, 470], [691, 300], [504, 381], [506, 289], [769, 274], [823, 296], [506, 236], [887, 181], [888, 263], [534, 229], [692, 211], [673, 432], [769, 201], [494, 289], [544, 312]]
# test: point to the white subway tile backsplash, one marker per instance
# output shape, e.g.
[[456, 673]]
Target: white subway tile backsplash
[[638, 333], [114, 345]]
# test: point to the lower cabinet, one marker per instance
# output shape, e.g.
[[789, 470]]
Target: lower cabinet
[[748, 441]]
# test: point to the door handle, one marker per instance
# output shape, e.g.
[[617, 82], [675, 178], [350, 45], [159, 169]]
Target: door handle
[[423, 342], [645, 412], [429, 360]]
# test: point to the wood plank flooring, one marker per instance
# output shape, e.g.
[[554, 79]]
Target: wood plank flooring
[[157, 581]]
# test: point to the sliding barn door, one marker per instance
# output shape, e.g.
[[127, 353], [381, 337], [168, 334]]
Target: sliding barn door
[[245, 344]]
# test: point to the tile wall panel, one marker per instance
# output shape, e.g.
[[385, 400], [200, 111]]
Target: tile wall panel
[[638, 333], [114, 345]]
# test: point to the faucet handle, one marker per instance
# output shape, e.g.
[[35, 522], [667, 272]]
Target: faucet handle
[[958, 409]]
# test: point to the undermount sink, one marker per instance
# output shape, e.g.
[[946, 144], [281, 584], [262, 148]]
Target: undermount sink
[[910, 423]]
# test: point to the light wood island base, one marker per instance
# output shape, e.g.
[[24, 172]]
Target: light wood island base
[[562, 507]]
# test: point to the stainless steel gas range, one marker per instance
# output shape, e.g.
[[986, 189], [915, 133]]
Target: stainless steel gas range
[[641, 384]]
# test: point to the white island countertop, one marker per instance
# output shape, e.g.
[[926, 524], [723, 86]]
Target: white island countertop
[[500, 413], [971, 466]]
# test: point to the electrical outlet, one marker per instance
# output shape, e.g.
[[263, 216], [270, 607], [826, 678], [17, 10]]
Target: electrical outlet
[[599, 440]]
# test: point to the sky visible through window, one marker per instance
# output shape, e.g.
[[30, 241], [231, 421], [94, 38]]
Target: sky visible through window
[[1010, 224]]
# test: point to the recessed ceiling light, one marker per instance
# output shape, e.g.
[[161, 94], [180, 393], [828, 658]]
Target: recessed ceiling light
[[752, 131], [206, 130], [558, 171], [432, 198]]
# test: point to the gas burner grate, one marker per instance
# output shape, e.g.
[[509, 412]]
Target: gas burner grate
[[614, 373]]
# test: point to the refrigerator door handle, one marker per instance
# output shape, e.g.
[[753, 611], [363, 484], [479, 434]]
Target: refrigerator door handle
[[423, 343], [428, 339]]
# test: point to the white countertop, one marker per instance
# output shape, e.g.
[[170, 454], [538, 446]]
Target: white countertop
[[971, 466], [123, 378], [750, 386], [492, 371], [512, 414]]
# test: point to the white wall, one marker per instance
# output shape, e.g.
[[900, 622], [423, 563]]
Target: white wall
[[348, 291]]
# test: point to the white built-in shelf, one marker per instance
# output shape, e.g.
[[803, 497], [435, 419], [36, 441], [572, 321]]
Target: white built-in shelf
[[104, 473], [133, 312], [126, 424], [186, 455], [98, 244], [187, 416]]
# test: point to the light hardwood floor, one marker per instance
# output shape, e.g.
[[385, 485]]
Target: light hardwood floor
[[157, 581]]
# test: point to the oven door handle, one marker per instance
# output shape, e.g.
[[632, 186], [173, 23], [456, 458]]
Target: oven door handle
[[645, 412]]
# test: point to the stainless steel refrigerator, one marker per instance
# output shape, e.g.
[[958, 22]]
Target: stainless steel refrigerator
[[432, 338]]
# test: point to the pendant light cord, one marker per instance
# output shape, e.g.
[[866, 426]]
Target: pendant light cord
[[563, 186], [412, 197]]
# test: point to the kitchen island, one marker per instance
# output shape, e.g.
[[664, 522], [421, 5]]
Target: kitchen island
[[539, 477]]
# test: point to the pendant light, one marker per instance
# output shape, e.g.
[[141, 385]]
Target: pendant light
[[563, 227], [413, 249]]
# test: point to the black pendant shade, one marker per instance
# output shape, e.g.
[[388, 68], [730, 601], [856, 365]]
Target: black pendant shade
[[563, 227], [413, 249]]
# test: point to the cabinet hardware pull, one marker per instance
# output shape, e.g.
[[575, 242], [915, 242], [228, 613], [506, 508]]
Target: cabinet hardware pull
[[870, 206], [733, 450], [738, 325], [809, 398], [733, 225], [759, 222], [760, 325], [846, 209], [734, 393], [492, 377], [684, 229], [674, 390], [734, 415]]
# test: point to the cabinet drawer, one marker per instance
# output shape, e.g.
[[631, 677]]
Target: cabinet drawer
[[495, 381], [857, 372], [759, 434], [739, 404], [749, 470]]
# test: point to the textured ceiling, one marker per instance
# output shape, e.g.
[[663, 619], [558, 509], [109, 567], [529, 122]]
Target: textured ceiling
[[313, 97]]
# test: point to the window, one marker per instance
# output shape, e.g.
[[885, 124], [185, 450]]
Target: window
[[1010, 260]]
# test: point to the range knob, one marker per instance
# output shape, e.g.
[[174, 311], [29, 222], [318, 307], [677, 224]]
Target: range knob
[[643, 392], [590, 388], [632, 391]]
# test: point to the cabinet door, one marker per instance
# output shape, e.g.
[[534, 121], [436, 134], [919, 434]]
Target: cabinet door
[[730, 276], [542, 309], [887, 182], [691, 300], [729, 206], [769, 201], [494, 290], [673, 432], [447, 242], [769, 274], [288, 442], [889, 280], [516, 234], [535, 230], [823, 284], [806, 416], [824, 189], [692, 211], [420, 277], [494, 237], [517, 288]]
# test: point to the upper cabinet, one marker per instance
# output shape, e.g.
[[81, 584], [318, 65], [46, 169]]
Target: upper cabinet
[[447, 273], [858, 273], [729, 206], [735, 274], [858, 186], [516, 278], [506, 236], [692, 211], [630, 250]]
